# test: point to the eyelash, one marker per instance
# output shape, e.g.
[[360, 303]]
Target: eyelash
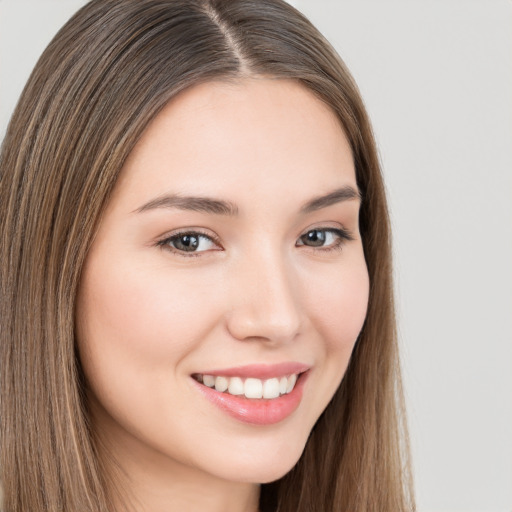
[[342, 234], [166, 242]]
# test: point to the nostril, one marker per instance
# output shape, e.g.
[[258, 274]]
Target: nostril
[[246, 327]]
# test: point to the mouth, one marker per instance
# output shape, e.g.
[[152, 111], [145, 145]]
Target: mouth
[[256, 394], [250, 387]]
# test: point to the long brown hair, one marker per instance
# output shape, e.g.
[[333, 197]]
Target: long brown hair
[[102, 79]]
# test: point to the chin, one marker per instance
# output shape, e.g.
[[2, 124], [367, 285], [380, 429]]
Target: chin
[[265, 465]]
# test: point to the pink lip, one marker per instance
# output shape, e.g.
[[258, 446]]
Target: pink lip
[[256, 411], [260, 371]]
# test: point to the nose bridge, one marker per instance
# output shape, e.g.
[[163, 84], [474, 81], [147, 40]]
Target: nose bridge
[[265, 303]]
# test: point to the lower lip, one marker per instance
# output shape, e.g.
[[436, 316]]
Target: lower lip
[[256, 411]]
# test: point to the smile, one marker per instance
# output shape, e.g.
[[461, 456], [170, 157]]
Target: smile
[[255, 394], [250, 387]]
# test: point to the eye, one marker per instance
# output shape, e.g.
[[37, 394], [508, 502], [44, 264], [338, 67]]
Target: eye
[[188, 242], [330, 238]]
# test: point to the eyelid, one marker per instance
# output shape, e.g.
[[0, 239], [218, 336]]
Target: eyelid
[[164, 242], [343, 234]]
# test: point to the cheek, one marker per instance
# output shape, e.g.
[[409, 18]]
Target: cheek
[[131, 318], [136, 329], [339, 308]]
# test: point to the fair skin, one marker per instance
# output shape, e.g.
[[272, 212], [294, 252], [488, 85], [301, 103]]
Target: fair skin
[[271, 280]]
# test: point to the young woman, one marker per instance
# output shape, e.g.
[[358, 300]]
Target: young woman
[[197, 307]]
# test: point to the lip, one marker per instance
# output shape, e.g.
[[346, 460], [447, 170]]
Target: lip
[[256, 411], [259, 371]]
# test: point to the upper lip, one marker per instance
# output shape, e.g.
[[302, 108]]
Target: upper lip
[[260, 371]]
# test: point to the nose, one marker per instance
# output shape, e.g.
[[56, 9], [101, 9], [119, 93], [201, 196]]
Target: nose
[[264, 300]]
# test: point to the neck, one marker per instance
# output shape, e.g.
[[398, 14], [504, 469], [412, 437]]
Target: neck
[[189, 491]]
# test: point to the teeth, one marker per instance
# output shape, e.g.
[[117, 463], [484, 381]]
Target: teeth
[[209, 380], [283, 385], [236, 386], [253, 388], [271, 388], [291, 383], [221, 384], [250, 388]]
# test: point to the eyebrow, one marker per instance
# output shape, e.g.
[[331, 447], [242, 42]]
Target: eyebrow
[[346, 193], [191, 203], [221, 207]]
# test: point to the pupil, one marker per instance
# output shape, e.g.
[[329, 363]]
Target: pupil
[[315, 237], [188, 242]]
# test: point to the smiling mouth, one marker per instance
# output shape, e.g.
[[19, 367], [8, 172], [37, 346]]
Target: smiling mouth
[[250, 387]]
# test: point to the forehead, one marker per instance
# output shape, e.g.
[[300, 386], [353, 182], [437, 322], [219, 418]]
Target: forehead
[[254, 135]]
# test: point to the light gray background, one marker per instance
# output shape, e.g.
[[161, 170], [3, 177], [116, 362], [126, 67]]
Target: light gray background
[[436, 76]]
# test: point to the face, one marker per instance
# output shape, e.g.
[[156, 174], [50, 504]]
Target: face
[[226, 286]]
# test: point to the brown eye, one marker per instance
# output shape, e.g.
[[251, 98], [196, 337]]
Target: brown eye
[[314, 238], [188, 243], [325, 238], [191, 242]]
